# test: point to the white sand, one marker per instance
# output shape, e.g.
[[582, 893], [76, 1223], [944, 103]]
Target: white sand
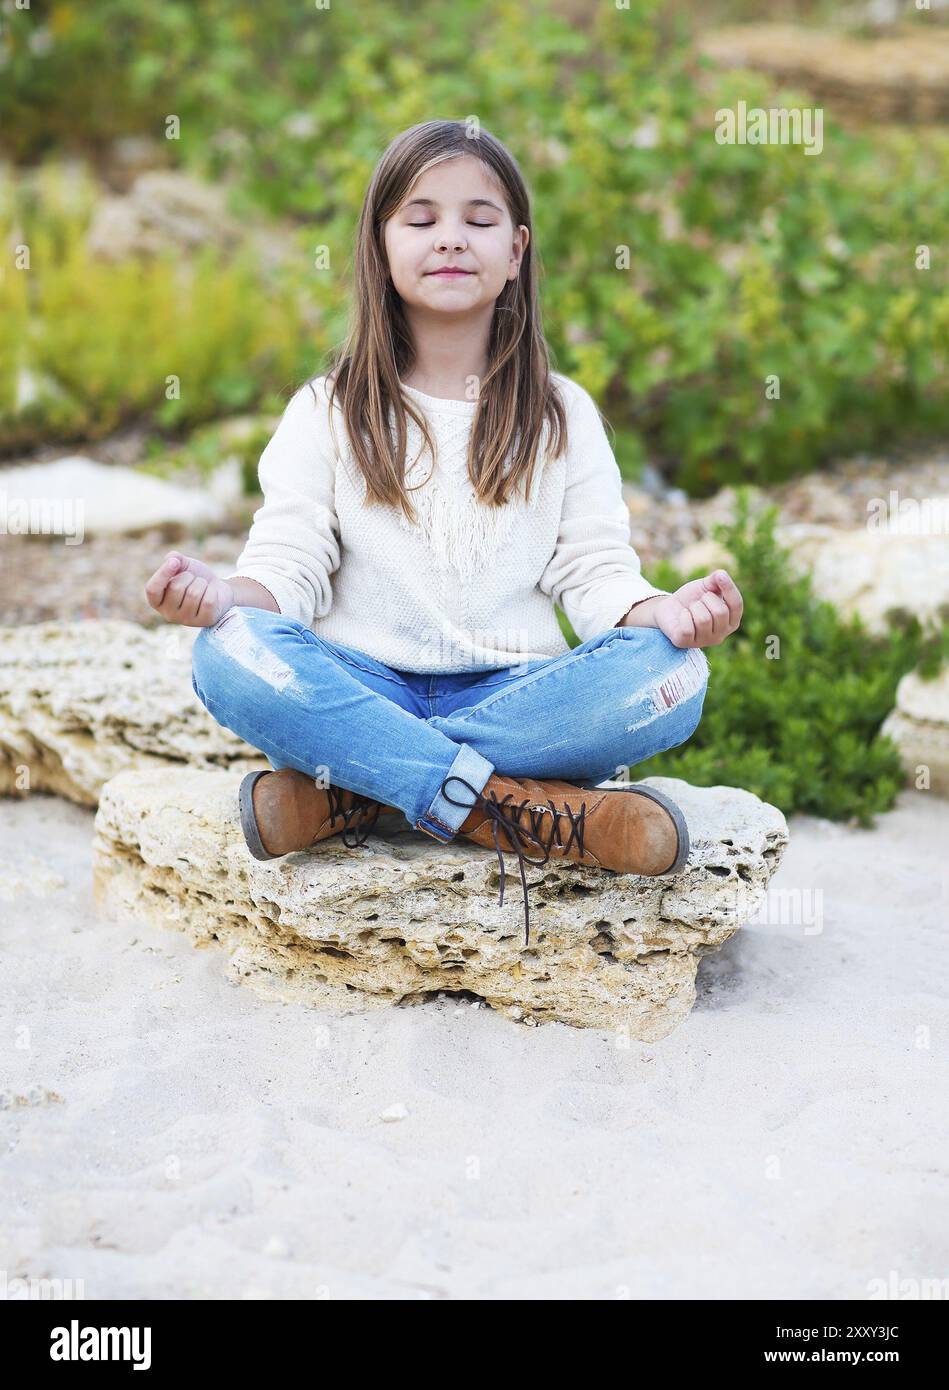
[[789, 1140]]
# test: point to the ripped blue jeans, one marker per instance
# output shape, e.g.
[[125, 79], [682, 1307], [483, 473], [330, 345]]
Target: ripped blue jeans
[[396, 736]]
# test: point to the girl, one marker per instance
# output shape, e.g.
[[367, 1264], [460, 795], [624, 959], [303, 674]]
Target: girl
[[389, 640]]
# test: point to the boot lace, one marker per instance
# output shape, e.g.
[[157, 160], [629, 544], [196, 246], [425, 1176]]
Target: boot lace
[[358, 819], [509, 817]]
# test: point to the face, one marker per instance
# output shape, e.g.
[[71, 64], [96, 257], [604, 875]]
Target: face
[[454, 215]]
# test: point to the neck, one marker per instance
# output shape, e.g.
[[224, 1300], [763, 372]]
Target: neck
[[449, 353]]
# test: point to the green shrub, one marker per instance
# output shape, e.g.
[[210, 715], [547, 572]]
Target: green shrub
[[205, 448], [102, 342], [800, 730]]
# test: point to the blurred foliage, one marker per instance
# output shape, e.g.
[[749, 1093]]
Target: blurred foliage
[[207, 447], [744, 261], [801, 728], [169, 339]]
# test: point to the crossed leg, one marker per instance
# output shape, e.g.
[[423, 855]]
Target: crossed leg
[[609, 703]]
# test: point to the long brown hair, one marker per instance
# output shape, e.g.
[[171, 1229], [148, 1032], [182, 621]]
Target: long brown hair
[[516, 397]]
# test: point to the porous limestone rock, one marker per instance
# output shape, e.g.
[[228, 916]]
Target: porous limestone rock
[[872, 573], [403, 916], [919, 726], [81, 701]]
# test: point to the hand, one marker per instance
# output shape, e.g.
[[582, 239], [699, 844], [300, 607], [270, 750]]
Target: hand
[[702, 613], [188, 591]]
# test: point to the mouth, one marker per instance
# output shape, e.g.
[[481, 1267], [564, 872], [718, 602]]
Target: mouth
[[448, 274]]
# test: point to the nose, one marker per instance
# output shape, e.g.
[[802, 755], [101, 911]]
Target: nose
[[457, 242]]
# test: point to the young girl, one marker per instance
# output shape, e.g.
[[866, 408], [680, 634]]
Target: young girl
[[389, 640]]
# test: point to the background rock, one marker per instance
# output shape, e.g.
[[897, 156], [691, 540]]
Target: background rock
[[902, 77], [77, 496], [165, 208], [919, 726], [872, 573]]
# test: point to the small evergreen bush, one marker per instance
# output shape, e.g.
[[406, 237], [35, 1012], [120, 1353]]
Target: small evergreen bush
[[799, 729]]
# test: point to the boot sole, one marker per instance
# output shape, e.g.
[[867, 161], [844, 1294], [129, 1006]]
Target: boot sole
[[249, 820], [674, 811]]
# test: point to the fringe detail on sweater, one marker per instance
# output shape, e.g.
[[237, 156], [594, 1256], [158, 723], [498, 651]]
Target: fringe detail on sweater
[[463, 534]]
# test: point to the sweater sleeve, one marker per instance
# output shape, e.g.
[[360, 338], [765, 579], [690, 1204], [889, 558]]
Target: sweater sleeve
[[293, 544], [594, 573]]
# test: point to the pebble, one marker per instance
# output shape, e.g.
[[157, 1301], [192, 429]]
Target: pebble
[[394, 1112]]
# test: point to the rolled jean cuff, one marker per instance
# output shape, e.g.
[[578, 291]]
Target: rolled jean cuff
[[443, 819]]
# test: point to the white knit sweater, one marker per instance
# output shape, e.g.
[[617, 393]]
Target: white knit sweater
[[469, 587]]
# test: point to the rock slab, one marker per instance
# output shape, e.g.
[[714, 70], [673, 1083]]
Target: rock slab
[[71, 498], [403, 916], [81, 701]]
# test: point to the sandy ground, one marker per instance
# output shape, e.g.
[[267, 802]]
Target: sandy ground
[[789, 1140]]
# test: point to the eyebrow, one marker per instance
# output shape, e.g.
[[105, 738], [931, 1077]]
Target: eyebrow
[[472, 202]]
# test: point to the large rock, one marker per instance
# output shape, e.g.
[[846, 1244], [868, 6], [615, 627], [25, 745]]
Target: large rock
[[919, 726], [81, 701], [859, 569], [77, 497], [403, 915], [872, 573]]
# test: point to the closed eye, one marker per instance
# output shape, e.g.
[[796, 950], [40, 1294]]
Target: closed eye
[[470, 224]]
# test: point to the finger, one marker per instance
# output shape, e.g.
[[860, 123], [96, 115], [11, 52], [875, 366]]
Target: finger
[[155, 588], [721, 619], [210, 602], [726, 586], [702, 619], [684, 628], [191, 604], [177, 588]]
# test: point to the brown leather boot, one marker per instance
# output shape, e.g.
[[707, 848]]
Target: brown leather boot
[[286, 810], [630, 828]]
